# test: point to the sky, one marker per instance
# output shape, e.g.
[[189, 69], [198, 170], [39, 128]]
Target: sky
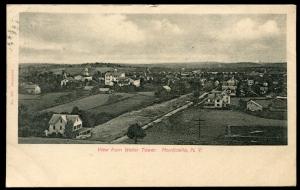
[[151, 38]]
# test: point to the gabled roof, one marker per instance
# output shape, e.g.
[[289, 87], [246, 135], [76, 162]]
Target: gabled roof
[[262, 102], [114, 74], [55, 118], [65, 117], [72, 118], [167, 87], [30, 86]]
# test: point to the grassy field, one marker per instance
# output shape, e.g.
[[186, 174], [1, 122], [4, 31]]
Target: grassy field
[[124, 105], [40, 102], [118, 126], [89, 102], [43, 140], [182, 128]]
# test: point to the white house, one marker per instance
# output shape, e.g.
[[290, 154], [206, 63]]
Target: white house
[[32, 89], [167, 88], [254, 106], [58, 124], [136, 83], [258, 104], [111, 77], [217, 99]]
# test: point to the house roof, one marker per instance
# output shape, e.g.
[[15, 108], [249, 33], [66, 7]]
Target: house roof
[[167, 87], [30, 86], [114, 74], [72, 118], [263, 102], [65, 117], [279, 103]]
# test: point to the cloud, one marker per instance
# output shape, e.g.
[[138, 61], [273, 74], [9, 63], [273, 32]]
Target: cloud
[[165, 26], [248, 29], [113, 29], [149, 38]]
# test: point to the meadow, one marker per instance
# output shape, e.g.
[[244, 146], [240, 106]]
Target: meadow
[[183, 128]]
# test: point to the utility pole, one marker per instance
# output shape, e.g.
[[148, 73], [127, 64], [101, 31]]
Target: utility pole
[[199, 126]]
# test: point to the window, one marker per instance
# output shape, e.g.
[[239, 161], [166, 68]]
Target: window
[[53, 127], [60, 127]]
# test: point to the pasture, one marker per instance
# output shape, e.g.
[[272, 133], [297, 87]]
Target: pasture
[[118, 126], [182, 128], [135, 101], [40, 102], [101, 103], [43, 140]]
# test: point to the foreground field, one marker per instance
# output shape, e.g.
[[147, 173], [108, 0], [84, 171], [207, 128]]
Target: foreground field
[[90, 102], [40, 102], [41, 140], [118, 126], [182, 128]]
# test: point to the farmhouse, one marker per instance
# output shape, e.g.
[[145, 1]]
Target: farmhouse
[[105, 90], [136, 83], [167, 88], [217, 99], [258, 104], [32, 89], [111, 77], [59, 122]]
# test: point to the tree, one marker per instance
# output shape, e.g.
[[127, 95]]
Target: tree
[[135, 132], [69, 130], [75, 110], [95, 90]]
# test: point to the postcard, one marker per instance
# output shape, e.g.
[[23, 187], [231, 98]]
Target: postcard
[[151, 95]]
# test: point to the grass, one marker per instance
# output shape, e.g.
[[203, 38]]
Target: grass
[[118, 126], [40, 102], [87, 103], [43, 140], [182, 128], [124, 105]]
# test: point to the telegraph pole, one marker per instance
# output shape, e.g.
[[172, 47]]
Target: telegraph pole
[[199, 126]]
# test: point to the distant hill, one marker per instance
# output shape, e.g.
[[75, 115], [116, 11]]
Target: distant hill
[[188, 65]]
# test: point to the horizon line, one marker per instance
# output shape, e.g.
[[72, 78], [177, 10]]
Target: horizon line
[[199, 62]]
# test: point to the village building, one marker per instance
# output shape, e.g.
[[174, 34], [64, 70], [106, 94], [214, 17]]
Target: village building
[[263, 90], [65, 81], [84, 76], [105, 90], [32, 88], [58, 124], [230, 86], [250, 82], [136, 83], [88, 88], [113, 77], [217, 83], [167, 88], [258, 104], [217, 99]]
